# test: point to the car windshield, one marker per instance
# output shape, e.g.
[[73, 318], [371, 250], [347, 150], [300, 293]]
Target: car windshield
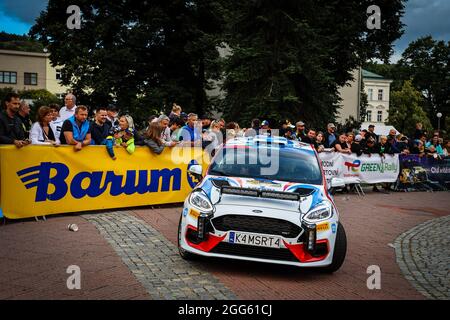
[[284, 164]]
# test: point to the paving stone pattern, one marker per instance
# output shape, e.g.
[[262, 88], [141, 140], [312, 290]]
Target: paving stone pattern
[[155, 261], [423, 254]]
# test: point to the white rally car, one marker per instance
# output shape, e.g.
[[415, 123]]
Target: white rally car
[[264, 199]]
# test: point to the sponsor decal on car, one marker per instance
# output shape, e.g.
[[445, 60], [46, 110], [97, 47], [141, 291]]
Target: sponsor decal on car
[[194, 213], [333, 227], [323, 227]]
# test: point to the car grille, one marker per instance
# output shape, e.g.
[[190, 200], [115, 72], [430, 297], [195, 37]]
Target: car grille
[[254, 252], [256, 224]]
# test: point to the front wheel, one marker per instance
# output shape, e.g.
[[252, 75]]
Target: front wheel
[[183, 253], [340, 250]]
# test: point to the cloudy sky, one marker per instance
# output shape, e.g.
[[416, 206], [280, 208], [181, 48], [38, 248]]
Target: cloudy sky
[[422, 17]]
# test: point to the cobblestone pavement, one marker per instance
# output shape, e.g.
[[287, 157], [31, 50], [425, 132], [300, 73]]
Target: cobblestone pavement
[[423, 254], [155, 262]]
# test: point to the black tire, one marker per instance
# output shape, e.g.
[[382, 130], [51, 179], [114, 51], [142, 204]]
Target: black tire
[[340, 250], [183, 253]]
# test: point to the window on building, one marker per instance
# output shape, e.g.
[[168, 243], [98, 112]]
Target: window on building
[[58, 74], [380, 116], [8, 77], [380, 94], [369, 115], [370, 95], [30, 78]]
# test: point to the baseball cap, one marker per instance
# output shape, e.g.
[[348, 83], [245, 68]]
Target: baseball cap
[[300, 123], [331, 125], [358, 137], [265, 123], [371, 126]]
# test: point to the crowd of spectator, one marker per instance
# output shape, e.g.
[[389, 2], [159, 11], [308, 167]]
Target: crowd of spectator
[[70, 125]]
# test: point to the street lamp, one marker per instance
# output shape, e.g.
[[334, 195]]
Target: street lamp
[[439, 115]]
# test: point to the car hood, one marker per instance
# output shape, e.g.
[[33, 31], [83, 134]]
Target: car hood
[[310, 195]]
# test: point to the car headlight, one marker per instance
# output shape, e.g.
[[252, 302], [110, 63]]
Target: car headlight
[[200, 201], [321, 212]]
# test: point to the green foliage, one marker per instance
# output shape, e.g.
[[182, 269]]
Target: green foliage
[[405, 109], [143, 55], [290, 57], [427, 62], [20, 43], [363, 103]]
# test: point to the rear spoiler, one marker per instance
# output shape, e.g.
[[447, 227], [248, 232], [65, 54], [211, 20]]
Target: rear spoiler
[[280, 195]]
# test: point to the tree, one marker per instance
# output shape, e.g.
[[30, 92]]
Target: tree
[[426, 61], [397, 73], [10, 41], [405, 109], [288, 58], [144, 55]]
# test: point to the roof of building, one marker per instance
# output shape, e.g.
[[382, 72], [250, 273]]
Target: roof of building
[[371, 75]]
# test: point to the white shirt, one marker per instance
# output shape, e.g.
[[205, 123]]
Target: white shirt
[[37, 134], [65, 113], [58, 126], [165, 137]]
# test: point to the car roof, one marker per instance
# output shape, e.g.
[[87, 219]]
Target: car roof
[[267, 141]]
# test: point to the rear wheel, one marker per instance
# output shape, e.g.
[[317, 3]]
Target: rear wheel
[[183, 253], [340, 250]]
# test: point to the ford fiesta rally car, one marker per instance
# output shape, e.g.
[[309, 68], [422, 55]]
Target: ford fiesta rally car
[[286, 217]]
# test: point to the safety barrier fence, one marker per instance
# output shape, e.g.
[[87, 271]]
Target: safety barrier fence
[[45, 180]]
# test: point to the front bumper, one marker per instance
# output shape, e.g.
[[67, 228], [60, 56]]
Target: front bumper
[[285, 225]]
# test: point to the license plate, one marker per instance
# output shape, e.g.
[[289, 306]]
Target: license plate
[[252, 239]]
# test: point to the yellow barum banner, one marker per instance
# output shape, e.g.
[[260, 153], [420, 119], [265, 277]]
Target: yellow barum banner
[[44, 180]]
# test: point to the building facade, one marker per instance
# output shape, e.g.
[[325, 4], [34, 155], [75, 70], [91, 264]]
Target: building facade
[[350, 95], [377, 89], [29, 71]]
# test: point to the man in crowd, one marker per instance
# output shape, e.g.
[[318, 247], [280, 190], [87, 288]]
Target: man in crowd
[[419, 131], [191, 133], [392, 134], [68, 110], [76, 130], [99, 127], [300, 131], [166, 138], [206, 122], [371, 133], [175, 126], [330, 135], [24, 116], [310, 137], [11, 129], [370, 146], [112, 116]]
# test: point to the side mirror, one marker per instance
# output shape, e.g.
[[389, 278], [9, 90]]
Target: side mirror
[[337, 183], [196, 170]]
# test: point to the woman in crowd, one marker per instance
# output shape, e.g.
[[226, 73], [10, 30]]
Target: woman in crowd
[[43, 131], [320, 141], [154, 141], [340, 145]]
